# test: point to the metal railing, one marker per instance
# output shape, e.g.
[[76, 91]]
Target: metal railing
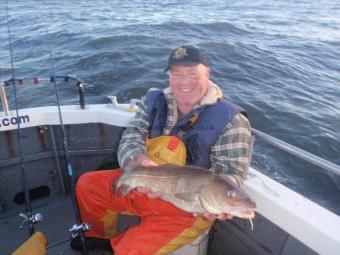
[[35, 80], [309, 157]]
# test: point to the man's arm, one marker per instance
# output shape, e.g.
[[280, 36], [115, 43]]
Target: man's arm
[[230, 154], [131, 149], [132, 144]]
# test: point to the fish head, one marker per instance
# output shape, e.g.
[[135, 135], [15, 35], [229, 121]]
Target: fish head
[[220, 198]]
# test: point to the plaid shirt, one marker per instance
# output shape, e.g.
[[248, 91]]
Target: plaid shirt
[[229, 156]]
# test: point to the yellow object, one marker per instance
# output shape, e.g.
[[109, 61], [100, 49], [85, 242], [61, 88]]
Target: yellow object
[[131, 109], [166, 149], [35, 245], [187, 236], [193, 119], [110, 221]]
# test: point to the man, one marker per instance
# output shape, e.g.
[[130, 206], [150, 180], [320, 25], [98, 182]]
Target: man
[[190, 113]]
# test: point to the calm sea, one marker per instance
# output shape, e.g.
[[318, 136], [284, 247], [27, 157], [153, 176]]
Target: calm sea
[[278, 59]]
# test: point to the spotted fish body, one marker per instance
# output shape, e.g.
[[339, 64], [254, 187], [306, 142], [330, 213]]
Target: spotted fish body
[[190, 188]]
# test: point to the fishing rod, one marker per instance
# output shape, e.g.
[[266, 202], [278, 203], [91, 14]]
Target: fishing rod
[[79, 228], [29, 218]]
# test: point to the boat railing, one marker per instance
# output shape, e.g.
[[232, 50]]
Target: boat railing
[[295, 151], [36, 81]]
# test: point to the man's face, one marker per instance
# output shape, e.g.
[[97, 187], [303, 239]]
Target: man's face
[[189, 84]]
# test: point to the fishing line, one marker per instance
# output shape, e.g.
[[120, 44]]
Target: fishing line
[[24, 178], [79, 228]]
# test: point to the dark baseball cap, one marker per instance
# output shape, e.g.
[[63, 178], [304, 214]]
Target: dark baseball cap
[[187, 56]]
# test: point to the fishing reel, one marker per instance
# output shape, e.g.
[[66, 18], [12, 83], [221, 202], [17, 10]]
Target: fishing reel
[[76, 228], [33, 219]]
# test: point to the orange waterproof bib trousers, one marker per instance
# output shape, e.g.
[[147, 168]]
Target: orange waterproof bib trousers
[[163, 228]]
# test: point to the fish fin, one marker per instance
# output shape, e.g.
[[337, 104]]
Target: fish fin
[[190, 167], [124, 189], [170, 166], [197, 168], [188, 196], [114, 187]]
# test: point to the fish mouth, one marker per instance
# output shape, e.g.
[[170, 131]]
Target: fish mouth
[[243, 211], [246, 213], [240, 212]]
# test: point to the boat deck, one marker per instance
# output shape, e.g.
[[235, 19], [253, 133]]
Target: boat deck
[[232, 237], [58, 218], [286, 222]]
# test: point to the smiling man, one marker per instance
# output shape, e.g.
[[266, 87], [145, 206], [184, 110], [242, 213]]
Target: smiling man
[[188, 78], [188, 123]]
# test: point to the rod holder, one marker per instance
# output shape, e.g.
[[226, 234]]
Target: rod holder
[[132, 105], [81, 91], [75, 230], [114, 101], [32, 220], [4, 100], [79, 84]]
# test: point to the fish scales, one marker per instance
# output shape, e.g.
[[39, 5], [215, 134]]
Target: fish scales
[[190, 188]]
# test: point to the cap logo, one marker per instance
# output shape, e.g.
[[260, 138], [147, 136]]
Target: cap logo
[[180, 53]]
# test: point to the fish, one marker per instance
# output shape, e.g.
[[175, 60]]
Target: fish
[[191, 188]]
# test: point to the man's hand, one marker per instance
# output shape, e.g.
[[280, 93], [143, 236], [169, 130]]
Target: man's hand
[[143, 160], [148, 162], [212, 217]]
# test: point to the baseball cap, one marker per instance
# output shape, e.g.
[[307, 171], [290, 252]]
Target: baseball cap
[[185, 55]]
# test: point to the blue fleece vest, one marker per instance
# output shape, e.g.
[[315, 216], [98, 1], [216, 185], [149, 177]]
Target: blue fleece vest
[[199, 136]]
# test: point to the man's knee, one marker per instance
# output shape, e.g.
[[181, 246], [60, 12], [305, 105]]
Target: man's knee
[[85, 181], [96, 180]]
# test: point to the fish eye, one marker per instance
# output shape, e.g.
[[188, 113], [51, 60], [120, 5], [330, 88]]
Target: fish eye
[[231, 193]]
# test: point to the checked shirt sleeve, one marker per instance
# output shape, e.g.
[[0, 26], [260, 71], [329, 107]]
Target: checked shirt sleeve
[[229, 156], [134, 136]]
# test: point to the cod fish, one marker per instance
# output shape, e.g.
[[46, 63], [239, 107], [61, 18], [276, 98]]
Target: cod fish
[[190, 188]]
